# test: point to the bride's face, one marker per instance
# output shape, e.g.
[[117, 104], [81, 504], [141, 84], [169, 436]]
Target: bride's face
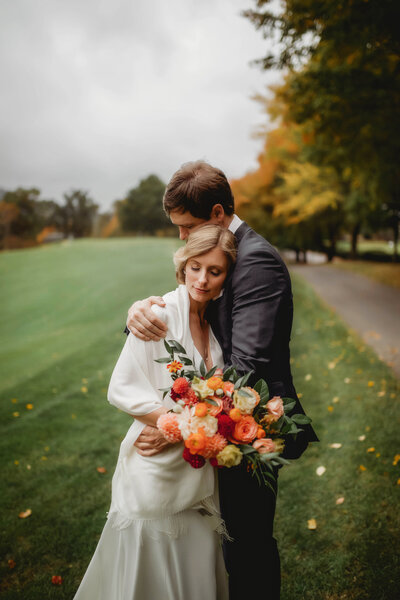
[[205, 275]]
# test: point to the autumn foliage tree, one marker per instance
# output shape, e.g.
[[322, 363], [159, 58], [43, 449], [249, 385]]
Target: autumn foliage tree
[[343, 90]]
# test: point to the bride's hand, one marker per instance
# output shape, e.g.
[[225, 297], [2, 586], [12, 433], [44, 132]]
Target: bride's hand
[[142, 321], [151, 441]]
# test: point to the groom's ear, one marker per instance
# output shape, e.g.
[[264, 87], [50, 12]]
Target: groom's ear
[[217, 214]]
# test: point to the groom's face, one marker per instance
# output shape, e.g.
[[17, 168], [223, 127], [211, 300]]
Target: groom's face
[[187, 223]]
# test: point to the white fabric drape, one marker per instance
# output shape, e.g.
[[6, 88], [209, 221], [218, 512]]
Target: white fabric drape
[[157, 541]]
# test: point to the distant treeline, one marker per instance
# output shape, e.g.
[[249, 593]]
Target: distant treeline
[[26, 219]]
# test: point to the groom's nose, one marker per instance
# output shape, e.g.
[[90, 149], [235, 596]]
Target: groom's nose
[[183, 233]]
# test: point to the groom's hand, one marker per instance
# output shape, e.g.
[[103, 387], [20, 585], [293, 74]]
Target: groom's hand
[[151, 441], [142, 321]]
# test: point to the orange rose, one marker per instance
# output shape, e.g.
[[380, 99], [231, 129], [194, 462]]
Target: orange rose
[[196, 442], [235, 414], [246, 429], [215, 383], [228, 388], [201, 409]]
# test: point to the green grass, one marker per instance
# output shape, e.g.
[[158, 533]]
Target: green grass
[[387, 273], [368, 246], [62, 318]]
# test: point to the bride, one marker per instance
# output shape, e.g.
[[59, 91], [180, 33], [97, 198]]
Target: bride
[[162, 538]]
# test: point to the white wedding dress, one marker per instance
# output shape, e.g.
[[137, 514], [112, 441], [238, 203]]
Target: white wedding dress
[[162, 537]]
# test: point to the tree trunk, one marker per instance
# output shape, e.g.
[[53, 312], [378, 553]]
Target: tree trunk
[[396, 241], [354, 239]]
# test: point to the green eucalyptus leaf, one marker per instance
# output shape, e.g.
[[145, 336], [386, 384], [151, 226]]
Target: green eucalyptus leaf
[[177, 346], [210, 372], [203, 369], [167, 359], [211, 401], [301, 419]]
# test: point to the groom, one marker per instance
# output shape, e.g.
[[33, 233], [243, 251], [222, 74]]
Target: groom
[[252, 321]]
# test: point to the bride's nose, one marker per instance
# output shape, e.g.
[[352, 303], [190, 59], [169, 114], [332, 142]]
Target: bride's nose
[[203, 277]]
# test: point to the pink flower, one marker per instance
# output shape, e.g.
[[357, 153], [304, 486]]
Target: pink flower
[[264, 446], [275, 407], [169, 427]]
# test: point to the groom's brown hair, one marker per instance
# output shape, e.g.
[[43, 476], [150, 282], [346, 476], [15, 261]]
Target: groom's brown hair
[[197, 187]]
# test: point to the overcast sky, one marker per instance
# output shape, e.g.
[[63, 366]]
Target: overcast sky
[[98, 94]]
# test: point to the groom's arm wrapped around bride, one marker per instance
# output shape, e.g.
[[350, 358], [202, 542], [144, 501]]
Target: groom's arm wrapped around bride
[[253, 321]]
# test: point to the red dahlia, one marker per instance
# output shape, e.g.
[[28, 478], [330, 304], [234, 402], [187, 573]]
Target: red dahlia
[[225, 425], [195, 460]]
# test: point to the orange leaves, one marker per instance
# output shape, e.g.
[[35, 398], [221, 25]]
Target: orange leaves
[[11, 563], [56, 580], [25, 514], [101, 470]]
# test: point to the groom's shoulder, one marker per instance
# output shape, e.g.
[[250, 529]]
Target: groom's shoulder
[[252, 246]]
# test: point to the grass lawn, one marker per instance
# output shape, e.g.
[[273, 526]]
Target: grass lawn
[[62, 318], [388, 273]]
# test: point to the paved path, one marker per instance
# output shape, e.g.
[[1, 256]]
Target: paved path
[[370, 308]]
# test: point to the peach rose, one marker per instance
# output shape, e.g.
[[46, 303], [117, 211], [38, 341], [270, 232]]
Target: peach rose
[[215, 410], [264, 446], [245, 430], [275, 407]]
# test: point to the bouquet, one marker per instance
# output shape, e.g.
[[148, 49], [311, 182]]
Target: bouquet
[[221, 419]]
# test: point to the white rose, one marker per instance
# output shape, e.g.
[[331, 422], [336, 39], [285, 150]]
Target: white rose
[[209, 424], [245, 402]]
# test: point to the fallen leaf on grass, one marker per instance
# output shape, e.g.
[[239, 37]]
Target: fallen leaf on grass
[[340, 500], [84, 389], [320, 471], [101, 470], [308, 377], [335, 445], [335, 400], [56, 580], [362, 468], [16, 462], [347, 380], [396, 459], [330, 408], [29, 406], [312, 524], [381, 393], [25, 514], [14, 400], [398, 482], [361, 438], [11, 563], [371, 449], [371, 383], [84, 380]]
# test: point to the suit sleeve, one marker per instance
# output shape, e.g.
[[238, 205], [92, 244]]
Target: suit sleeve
[[259, 287]]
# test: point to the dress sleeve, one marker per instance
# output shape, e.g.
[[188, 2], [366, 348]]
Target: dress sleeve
[[133, 386]]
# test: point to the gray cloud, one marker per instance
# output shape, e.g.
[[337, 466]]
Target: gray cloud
[[97, 94]]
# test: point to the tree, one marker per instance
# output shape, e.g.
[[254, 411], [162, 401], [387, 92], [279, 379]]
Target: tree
[[26, 223], [8, 214], [141, 210], [78, 213], [343, 85]]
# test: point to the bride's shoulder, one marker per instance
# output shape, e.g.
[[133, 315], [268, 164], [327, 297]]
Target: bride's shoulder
[[175, 302]]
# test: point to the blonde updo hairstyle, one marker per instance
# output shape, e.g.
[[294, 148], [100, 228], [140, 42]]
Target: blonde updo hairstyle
[[200, 242]]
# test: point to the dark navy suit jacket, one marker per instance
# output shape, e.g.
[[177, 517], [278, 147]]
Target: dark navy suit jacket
[[252, 321]]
